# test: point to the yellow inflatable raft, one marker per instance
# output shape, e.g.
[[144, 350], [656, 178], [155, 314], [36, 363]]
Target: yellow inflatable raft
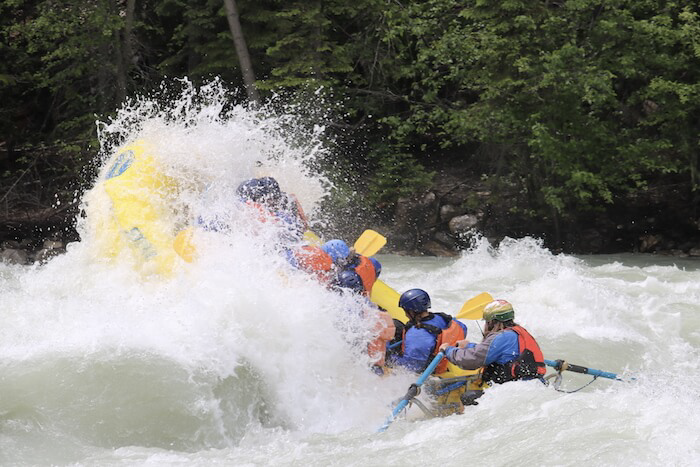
[[140, 221], [141, 224]]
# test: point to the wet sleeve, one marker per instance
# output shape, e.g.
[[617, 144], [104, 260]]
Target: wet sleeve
[[503, 349]]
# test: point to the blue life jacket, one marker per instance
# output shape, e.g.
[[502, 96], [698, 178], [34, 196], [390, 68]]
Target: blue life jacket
[[419, 344]]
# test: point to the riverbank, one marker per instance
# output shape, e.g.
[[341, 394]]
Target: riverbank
[[462, 206], [458, 209]]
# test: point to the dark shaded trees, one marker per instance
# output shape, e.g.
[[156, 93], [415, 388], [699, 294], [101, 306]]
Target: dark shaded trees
[[572, 104]]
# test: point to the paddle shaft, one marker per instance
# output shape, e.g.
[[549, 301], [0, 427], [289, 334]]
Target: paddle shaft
[[412, 391], [562, 365]]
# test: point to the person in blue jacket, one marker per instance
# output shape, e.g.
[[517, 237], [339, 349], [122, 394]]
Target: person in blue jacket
[[265, 194], [423, 331]]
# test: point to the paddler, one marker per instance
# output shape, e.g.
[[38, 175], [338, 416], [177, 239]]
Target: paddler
[[265, 195], [383, 328], [507, 353], [425, 332], [313, 260], [346, 259]]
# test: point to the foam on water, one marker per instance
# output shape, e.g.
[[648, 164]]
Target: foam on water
[[239, 359]]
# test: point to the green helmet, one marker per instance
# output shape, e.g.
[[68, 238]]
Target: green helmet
[[500, 310]]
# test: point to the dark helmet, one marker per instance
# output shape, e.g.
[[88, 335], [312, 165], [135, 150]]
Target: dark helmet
[[270, 188], [249, 190], [377, 266], [414, 300], [259, 189], [336, 249], [350, 280]]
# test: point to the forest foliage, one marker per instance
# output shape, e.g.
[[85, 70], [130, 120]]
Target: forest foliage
[[574, 102]]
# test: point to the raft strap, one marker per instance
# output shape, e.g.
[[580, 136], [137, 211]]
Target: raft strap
[[561, 365]]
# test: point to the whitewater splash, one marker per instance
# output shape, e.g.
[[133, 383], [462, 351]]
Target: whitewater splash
[[237, 339], [239, 359]]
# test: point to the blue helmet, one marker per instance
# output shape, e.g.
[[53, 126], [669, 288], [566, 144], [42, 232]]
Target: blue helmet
[[377, 266], [415, 300], [350, 280], [336, 249]]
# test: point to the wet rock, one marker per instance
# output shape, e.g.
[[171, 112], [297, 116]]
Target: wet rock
[[437, 249], [648, 243], [591, 241], [448, 211], [417, 212], [10, 244], [54, 244], [445, 239], [400, 242], [686, 246], [46, 254], [463, 224]]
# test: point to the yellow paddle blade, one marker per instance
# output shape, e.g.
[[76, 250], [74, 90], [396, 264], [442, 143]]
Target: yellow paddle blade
[[474, 307], [369, 243], [312, 238], [183, 245]]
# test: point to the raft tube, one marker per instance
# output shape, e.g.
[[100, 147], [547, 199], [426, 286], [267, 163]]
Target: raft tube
[[140, 220]]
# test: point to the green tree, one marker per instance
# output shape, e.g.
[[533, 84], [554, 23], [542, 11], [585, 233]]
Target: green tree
[[559, 87]]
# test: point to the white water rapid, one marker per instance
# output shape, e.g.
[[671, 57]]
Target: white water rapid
[[238, 360]]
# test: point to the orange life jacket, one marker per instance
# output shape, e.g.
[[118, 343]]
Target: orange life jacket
[[528, 343], [450, 335], [260, 211], [314, 260], [384, 329], [365, 269]]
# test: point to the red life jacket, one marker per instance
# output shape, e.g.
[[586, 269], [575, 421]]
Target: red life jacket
[[450, 335], [529, 364], [260, 211], [365, 269]]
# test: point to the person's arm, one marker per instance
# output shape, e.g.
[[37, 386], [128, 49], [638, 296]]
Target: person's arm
[[497, 348], [299, 211], [473, 356]]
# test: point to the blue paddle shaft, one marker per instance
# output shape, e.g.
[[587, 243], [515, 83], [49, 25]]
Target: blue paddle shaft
[[429, 371], [583, 370], [413, 390]]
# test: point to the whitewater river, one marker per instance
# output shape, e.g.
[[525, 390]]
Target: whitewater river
[[98, 369], [236, 359]]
